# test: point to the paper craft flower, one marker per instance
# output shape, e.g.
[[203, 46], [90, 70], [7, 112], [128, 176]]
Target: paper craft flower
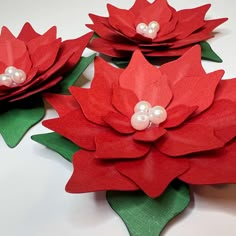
[[29, 64], [143, 127], [157, 29]]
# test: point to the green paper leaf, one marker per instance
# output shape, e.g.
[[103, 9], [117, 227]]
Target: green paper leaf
[[146, 216], [57, 143], [19, 118], [208, 53], [72, 77]]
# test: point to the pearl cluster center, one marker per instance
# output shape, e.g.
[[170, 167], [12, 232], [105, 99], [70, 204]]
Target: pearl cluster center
[[150, 30], [145, 115], [12, 77]]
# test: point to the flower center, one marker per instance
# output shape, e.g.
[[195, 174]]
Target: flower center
[[12, 77], [145, 115], [150, 30]]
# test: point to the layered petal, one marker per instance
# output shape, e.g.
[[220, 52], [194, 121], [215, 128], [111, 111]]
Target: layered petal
[[91, 174]]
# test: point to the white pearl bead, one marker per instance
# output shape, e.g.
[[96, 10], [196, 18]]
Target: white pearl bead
[[154, 25], [150, 33], [141, 28], [5, 80], [142, 106], [10, 70], [140, 120], [19, 76], [157, 114]]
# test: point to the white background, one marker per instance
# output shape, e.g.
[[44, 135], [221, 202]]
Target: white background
[[32, 178]]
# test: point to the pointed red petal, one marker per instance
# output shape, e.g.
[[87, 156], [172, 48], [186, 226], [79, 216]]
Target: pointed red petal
[[76, 128], [122, 20], [187, 65], [159, 11], [154, 172], [119, 122], [190, 20], [139, 5], [187, 139], [196, 91], [222, 117], [44, 57], [61, 103], [91, 175], [11, 50], [27, 33], [149, 135], [124, 100], [138, 75], [226, 90], [110, 145], [6, 33], [215, 167], [177, 115]]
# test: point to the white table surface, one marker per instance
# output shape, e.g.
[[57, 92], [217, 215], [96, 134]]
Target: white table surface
[[32, 178]]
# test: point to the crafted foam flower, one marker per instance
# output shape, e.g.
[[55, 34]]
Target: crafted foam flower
[[30, 64], [142, 127], [157, 29]]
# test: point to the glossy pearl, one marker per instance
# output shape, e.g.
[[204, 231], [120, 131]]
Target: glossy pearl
[[141, 28], [142, 106], [154, 25], [150, 33], [140, 120], [19, 76], [5, 80], [157, 115], [10, 70]]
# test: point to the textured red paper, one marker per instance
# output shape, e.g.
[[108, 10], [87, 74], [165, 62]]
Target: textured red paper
[[195, 144], [179, 30]]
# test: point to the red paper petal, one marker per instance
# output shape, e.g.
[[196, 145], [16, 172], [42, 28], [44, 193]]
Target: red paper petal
[[149, 135], [81, 133], [96, 102], [74, 47], [62, 103], [124, 100], [177, 115], [158, 11], [44, 57], [103, 29], [215, 167], [226, 90], [178, 69], [139, 75], [110, 145], [189, 138], [122, 20], [27, 33], [187, 90], [222, 117], [119, 122], [46, 38], [154, 172], [6, 33], [11, 50], [139, 5], [91, 175], [190, 20]]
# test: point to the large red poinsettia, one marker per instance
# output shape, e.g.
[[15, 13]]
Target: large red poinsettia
[[142, 127], [31, 63], [156, 29]]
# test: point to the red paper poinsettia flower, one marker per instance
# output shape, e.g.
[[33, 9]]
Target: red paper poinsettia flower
[[31, 63], [142, 127], [156, 29]]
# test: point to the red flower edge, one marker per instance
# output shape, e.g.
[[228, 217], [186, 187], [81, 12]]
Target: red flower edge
[[195, 144]]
